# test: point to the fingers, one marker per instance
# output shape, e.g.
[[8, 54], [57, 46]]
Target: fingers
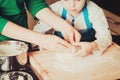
[[77, 36], [64, 44], [60, 47], [76, 44], [71, 38], [81, 53]]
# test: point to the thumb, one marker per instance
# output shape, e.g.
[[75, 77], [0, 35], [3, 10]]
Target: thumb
[[77, 36], [71, 39]]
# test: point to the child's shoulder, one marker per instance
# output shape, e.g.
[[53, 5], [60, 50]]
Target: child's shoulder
[[56, 7], [56, 4], [92, 5]]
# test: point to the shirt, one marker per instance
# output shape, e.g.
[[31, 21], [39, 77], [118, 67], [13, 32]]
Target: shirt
[[14, 10], [97, 18]]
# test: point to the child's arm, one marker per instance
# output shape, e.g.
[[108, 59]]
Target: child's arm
[[103, 36]]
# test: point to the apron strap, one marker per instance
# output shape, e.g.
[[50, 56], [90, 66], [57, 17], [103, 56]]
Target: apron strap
[[64, 13], [86, 17], [85, 14]]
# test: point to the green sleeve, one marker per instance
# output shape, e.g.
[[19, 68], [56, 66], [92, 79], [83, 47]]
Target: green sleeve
[[35, 5], [3, 22]]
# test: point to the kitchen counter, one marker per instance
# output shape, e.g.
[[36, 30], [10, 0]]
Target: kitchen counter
[[110, 5]]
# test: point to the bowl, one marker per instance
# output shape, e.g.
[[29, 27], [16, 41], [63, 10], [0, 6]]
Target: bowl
[[12, 48], [16, 75]]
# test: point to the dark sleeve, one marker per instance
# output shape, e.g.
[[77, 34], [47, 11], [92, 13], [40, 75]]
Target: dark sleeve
[[35, 5], [3, 22]]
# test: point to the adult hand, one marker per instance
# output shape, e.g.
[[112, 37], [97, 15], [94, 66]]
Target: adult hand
[[52, 42], [71, 35]]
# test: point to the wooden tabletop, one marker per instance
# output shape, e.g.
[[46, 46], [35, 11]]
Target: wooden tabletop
[[60, 66]]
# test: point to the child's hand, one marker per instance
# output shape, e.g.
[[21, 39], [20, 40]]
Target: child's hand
[[85, 48]]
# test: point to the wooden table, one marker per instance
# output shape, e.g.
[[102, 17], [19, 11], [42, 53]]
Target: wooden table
[[64, 66]]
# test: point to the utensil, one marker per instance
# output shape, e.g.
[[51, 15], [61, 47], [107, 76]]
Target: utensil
[[2, 61], [8, 50], [16, 75], [12, 48]]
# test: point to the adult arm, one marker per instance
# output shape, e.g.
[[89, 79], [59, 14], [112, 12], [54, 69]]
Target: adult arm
[[17, 32], [47, 16]]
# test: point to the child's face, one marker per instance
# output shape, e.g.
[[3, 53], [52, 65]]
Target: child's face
[[73, 6]]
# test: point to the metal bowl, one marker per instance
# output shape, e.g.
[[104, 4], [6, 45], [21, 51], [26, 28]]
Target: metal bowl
[[12, 48], [16, 75]]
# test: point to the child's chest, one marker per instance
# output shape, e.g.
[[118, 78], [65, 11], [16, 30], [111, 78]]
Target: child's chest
[[78, 22]]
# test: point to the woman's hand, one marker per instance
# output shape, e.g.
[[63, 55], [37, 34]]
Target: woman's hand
[[52, 42], [71, 35]]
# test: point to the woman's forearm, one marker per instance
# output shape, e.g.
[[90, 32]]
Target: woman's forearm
[[17, 32], [53, 20], [69, 33]]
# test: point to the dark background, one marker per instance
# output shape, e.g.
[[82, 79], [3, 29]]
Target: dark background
[[110, 5]]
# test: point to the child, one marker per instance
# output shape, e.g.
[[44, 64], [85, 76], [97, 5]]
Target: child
[[88, 19]]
